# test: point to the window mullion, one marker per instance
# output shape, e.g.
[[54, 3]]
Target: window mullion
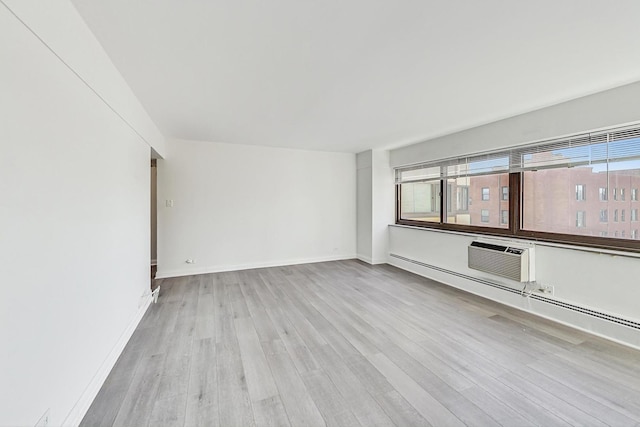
[[515, 198]]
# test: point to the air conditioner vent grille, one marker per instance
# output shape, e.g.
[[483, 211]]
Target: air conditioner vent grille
[[505, 261]]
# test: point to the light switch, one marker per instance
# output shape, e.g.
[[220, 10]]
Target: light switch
[[169, 203]]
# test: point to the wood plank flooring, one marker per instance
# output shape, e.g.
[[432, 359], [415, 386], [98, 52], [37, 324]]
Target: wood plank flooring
[[348, 344]]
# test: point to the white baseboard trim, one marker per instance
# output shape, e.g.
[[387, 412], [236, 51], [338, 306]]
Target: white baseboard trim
[[165, 274], [79, 410], [366, 259]]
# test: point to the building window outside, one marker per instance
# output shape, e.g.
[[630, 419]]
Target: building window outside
[[484, 215], [581, 193], [505, 193], [603, 194], [622, 194], [603, 234], [504, 217], [634, 194], [622, 215], [462, 197], [485, 194], [622, 233], [615, 215], [634, 214], [604, 215], [581, 220], [634, 234], [615, 193]]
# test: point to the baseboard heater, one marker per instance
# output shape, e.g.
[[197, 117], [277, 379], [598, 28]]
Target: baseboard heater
[[538, 297]]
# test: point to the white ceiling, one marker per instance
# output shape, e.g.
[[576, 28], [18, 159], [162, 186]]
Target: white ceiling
[[349, 75]]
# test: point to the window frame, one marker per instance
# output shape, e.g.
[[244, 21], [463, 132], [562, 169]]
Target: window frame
[[488, 194], [514, 228]]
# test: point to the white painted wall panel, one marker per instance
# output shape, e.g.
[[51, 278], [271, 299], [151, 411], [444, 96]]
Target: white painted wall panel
[[74, 242], [242, 206]]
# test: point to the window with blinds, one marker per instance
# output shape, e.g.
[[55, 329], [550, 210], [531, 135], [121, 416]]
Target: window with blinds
[[562, 186]]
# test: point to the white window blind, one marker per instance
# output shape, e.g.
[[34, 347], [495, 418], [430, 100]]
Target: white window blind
[[617, 148]]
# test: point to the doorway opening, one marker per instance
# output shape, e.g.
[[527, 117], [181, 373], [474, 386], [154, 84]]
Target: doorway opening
[[154, 220]]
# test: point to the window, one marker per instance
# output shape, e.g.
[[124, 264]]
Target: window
[[462, 198], [533, 185], [421, 201], [603, 193], [622, 233], [634, 234], [485, 194], [604, 215]]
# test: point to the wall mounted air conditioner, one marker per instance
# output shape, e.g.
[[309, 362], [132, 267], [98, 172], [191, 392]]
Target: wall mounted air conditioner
[[511, 260]]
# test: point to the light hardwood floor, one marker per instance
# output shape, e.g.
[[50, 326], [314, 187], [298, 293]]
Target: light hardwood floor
[[347, 344]]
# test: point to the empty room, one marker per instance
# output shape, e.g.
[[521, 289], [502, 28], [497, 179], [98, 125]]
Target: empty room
[[334, 213]]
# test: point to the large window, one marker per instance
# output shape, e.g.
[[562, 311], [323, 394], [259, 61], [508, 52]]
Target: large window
[[560, 190]]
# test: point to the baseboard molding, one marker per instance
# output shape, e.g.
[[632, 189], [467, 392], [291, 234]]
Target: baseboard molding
[[605, 329], [166, 274], [372, 261], [366, 259], [74, 418]]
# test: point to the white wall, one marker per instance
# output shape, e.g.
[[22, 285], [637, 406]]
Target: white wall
[[603, 282], [604, 109], [241, 206], [383, 205], [364, 200], [375, 208], [60, 26], [74, 242]]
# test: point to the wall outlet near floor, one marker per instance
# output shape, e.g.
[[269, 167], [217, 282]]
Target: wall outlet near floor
[[44, 420], [547, 289], [190, 261]]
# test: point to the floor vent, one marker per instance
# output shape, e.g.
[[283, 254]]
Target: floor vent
[[542, 298]]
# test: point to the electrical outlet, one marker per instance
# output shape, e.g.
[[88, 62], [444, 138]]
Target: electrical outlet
[[44, 420], [190, 261], [547, 289]]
